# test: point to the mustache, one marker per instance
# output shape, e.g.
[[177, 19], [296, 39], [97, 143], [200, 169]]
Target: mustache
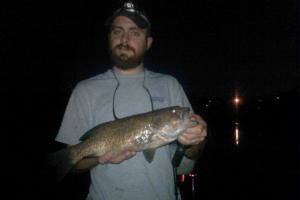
[[124, 46]]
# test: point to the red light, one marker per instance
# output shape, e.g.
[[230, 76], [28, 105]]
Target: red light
[[182, 178]]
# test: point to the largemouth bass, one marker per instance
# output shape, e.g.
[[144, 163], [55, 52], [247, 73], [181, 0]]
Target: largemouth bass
[[144, 132]]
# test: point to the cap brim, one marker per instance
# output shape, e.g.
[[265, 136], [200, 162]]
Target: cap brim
[[138, 20]]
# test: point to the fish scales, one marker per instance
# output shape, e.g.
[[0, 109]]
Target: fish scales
[[145, 131]]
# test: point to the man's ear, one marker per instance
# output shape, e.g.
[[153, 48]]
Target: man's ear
[[149, 42]]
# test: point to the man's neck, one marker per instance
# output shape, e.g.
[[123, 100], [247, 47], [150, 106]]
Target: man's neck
[[131, 71]]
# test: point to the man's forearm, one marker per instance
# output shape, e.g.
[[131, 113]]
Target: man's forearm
[[194, 151]]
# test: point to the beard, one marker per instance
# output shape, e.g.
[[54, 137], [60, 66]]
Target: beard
[[126, 60]]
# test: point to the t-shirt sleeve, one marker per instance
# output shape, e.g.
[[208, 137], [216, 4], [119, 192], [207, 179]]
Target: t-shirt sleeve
[[177, 94], [76, 117]]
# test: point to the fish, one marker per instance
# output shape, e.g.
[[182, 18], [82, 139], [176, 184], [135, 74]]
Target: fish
[[144, 132]]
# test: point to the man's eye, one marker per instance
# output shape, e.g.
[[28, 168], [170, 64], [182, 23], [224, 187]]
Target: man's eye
[[136, 33], [116, 32]]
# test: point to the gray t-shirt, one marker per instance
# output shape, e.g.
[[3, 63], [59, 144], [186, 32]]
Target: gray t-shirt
[[91, 103]]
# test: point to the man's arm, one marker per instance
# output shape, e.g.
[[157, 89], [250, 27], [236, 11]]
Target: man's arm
[[194, 152], [188, 162], [194, 136], [194, 139]]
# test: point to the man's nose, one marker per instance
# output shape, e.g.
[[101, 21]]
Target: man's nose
[[125, 38]]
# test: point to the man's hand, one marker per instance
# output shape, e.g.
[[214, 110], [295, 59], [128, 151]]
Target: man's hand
[[111, 158], [196, 134], [194, 137]]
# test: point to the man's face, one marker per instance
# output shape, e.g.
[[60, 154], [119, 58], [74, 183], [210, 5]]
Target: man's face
[[127, 43]]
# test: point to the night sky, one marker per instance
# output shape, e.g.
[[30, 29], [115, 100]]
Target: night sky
[[214, 48]]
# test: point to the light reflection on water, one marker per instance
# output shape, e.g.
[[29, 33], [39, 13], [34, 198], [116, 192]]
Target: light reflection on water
[[236, 134]]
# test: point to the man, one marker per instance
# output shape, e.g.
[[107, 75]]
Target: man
[[127, 89]]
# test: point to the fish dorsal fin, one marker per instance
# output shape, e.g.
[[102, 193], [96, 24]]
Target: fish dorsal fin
[[86, 135], [149, 154], [94, 131], [89, 133]]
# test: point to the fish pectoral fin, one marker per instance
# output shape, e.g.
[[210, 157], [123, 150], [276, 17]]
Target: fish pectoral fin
[[149, 154]]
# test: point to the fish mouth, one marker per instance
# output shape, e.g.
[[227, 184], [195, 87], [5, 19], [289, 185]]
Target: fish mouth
[[193, 122], [187, 116]]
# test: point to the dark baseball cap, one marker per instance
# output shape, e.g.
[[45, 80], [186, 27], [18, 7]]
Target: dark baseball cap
[[129, 10]]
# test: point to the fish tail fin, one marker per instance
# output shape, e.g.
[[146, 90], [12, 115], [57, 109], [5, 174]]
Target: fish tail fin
[[62, 162]]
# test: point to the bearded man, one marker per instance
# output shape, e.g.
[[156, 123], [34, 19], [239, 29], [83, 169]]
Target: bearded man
[[128, 88]]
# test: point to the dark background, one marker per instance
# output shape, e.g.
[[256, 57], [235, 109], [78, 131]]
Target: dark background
[[214, 48]]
